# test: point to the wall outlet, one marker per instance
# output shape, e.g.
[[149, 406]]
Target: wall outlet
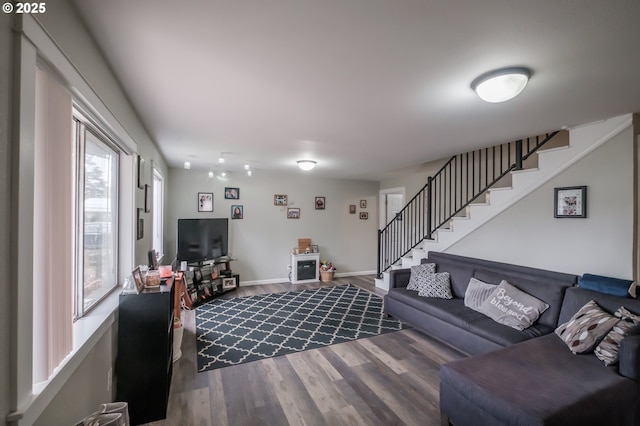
[[109, 378]]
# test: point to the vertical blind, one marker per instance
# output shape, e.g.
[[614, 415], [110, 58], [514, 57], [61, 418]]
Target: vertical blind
[[54, 204]]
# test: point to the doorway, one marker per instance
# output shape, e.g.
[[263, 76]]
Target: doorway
[[391, 202]]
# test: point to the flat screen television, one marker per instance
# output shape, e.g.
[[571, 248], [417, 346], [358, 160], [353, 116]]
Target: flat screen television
[[202, 239]]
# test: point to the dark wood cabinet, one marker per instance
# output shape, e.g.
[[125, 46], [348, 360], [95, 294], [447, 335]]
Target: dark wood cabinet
[[144, 364]]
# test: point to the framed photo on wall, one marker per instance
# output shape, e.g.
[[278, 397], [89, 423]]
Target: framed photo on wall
[[320, 201], [280, 200], [293, 213], [205, 201], [364, 215], [570, 202], [363, 204], [237, 211], [141, 171], [139, 224], [232, 193], [147, 198], [352, 209]]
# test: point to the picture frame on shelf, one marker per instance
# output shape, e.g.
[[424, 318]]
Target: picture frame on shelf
[[293, 213], [141, 171], [228, 283], [139, 224], [147, 198], [205, 201], [363, 204], [137, 279], [570, 202], [352, 209], [320, 203], [364, 215], [280, 200], [314, 248], [237, 211], [231, 193]]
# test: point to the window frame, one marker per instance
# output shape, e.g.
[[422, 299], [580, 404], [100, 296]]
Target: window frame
[[81, 125]]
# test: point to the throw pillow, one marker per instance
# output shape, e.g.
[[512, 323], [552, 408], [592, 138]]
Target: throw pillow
[[477, 292], [436, 286], [608, 285], [608, 350], [512, 307], [586, 327], [419, 274]]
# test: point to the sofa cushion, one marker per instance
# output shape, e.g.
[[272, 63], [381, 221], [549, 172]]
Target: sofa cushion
[[454, 312], [477, 292], [613, 286], [576, 297], [435, 285], [585, 329], [537, 382], [512, 307], [460, 274], [419, 274], [608, 349], [547, 290]]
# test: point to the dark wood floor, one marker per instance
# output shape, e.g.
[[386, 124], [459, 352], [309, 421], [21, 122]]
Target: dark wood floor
[[390, 379]]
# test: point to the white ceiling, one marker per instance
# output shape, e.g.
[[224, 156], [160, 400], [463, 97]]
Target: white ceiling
[[368, 88]]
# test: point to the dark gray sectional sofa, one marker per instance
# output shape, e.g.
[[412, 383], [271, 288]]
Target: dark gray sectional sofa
[[527, 377]]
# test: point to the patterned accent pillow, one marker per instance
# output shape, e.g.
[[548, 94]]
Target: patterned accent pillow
[[477, 292], [586, 327], [608, 350], [437, 286], [419, 274], [508, 305]]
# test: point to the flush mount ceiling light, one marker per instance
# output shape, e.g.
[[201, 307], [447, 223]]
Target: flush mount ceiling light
[[502, 84], [247, 166], [249, 172], [187, 165], [306, 165], [210, 174], [221, 159]]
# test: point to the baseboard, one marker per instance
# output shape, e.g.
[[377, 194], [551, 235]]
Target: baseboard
[[284, 280]]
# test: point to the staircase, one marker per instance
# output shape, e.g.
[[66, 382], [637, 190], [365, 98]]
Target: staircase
[[475, 187]]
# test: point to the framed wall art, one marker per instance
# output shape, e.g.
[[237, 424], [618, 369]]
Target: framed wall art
[[319, 203], [363, 204], [293, 213], [352, 209], [364, 215], [141, 171], [570, 202], [237, 211], [280, 200], [205, 201], [232, 193], [147, 198], [139, 224]]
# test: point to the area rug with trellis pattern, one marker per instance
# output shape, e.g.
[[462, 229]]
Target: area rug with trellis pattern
[[244, 329]]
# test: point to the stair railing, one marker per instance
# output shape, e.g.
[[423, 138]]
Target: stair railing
[[462, 180]]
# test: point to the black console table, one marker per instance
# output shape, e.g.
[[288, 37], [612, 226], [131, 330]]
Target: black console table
[[144, 364]]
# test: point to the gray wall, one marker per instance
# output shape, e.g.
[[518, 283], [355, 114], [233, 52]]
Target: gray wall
[[262, 241], [6, 87], [527, 233]]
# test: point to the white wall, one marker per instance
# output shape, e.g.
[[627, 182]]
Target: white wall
[[6, 87], [528, 234], [86, 387], [262, 241], [64, 25]]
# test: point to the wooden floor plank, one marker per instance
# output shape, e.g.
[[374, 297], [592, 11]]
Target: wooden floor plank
[[391, 379]]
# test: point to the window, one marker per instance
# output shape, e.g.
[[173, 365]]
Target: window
[[97, 217], [157, 211]]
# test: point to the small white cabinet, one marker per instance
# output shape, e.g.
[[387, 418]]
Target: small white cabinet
[[305, 268]]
